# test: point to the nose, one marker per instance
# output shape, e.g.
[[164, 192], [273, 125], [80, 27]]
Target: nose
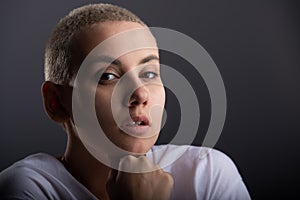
[[139, 97]]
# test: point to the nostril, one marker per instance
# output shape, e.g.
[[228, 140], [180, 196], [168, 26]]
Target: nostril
[[134, 102], [139, 96]]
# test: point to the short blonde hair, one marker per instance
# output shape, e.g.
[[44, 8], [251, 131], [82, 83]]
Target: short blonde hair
[[58, 55]]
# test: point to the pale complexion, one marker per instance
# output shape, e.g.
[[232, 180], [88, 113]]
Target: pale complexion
[[80, 163]]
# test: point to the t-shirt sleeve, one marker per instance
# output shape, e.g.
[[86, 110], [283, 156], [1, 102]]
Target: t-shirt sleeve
[[40, 176], [19, 182], [225, 181]]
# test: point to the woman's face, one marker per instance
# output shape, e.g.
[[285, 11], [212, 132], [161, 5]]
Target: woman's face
[[131, 85]]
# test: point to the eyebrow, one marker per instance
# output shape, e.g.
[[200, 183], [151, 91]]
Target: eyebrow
[[108, 59], [148, 59]]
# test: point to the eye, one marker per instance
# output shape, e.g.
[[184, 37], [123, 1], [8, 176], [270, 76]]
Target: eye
[[108, 77], [149, 75]]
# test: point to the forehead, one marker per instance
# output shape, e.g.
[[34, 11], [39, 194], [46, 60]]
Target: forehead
[[115, 33]]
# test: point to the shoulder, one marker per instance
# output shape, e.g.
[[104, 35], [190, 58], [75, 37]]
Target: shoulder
[[198, 159], [218, 162], [27, 178], [219, 174], [211, 173], [192, 154], [40, 176]]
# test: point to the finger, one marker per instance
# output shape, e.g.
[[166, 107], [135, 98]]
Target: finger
[[127, 163]]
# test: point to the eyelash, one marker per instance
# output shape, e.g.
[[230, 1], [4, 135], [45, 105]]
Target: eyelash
[[148, 72], [104, 75], [144, 75]]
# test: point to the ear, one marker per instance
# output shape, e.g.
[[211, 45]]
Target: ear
[[53, 102]]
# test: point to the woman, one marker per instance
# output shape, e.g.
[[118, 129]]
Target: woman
[[103, 57]]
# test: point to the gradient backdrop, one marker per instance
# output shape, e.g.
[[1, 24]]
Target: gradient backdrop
[[255, 44]]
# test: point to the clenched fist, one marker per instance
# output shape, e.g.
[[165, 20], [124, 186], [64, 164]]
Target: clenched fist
[[150, 181]]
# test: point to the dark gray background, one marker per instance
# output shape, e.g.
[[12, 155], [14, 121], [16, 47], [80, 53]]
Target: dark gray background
[[255, 44]]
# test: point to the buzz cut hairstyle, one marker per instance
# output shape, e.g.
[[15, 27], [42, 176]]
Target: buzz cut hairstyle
[[58, 53]]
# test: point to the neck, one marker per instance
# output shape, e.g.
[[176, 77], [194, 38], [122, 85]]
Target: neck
[[85, 168]]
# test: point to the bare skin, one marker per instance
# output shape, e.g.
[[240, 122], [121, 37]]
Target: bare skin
[[148, 186], [98, 178]]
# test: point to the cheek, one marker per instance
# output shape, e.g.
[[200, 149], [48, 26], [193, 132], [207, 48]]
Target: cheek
[[159, 96], [157, 104], [103, 105]]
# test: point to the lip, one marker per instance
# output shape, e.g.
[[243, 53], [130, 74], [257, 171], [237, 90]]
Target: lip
[[141, 118], [137, 130]]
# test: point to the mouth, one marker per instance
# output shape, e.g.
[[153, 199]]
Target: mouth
[[138, 121], [137, 126]]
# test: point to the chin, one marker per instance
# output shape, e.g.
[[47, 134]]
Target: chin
[[138, 145]]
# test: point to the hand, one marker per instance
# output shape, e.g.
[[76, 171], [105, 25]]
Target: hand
[[155, 184]]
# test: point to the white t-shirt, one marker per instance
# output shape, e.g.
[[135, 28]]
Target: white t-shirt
[[199, 173]]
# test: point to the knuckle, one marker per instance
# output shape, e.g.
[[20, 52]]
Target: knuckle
[[126, 163], [143, 159], [168, 178]]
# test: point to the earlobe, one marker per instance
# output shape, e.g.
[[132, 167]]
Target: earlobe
[[53, 102]]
